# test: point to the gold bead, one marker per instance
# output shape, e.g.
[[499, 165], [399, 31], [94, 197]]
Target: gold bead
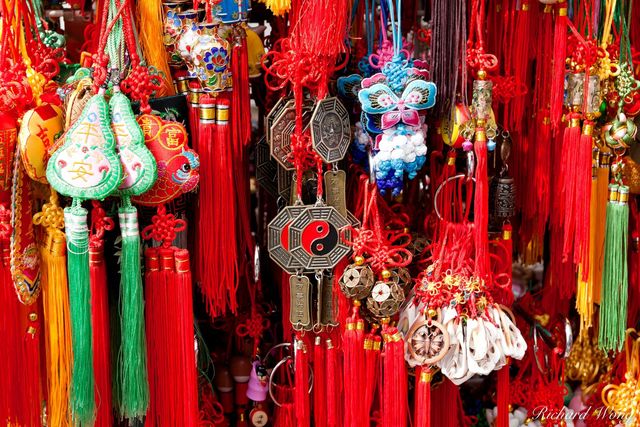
[[359, 260], [510, 407], [385, 274], [33, 317], [432, 313], [527, 421], [356, 303], [482, 74]]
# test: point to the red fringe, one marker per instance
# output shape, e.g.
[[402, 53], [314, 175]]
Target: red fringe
[[584, 176], [101, 334], [422, 400], [20, 386], [301, 390], [284, 415], [559, 57], [373, 343], [217, 245], [320, 379], [171, 356], [333, 387], [443, 398], [353, 367], [481, 210], [394, 380], [503, 397]]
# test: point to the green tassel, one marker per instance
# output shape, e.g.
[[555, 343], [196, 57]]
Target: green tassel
[[134, 393], [83, 405], [615, 278]]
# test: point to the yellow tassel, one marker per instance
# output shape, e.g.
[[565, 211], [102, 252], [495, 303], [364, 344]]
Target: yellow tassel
[[55, 302], [588, 293], [151, 36], [278, 7]]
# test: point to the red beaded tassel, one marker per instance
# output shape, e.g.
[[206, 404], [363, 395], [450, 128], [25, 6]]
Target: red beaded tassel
[[169, 317], [502, 392], [100, 315], [394, 380], [559, 57], [216, 255], [422, 400], [319, 384], [353, 367], [301, 380]]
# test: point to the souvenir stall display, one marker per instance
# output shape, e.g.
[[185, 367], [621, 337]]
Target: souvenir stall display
[[329, 213]]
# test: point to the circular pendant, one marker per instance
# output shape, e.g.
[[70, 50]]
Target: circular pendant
[[381, 292], [357, 281], [385, 299], [278, 238], [315, 239], [428, 341], [330, 130]]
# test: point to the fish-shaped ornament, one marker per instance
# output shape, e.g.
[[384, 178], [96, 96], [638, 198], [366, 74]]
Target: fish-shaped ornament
[[177, 163]]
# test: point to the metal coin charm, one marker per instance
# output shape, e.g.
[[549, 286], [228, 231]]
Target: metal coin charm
[[330, 130], [315, 239], [402, 277], [428, 341], [385, 299], [278, 238], [300, 308], [356, 281]]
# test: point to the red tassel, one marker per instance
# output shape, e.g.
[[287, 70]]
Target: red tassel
[[217, 249], [31, 393], [422, 403], [285, 414], [301, 391], [481, 207], [503, 396], [319, 384], [520, 54], [559, 57], [394, 380], [171, 355], [195, 91], [100, 316], [372, 345], [333, 388], [353, 367], [444, 398], [584, 174], [100, 328]]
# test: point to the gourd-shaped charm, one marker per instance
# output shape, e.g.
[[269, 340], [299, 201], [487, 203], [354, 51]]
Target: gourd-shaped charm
[[138, 164], [87, 166]]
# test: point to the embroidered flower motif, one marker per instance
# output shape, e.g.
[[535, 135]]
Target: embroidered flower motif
[[216, 59]]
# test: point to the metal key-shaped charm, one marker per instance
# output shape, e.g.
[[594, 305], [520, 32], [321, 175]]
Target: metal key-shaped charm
[[334, 189], [300, 307]]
